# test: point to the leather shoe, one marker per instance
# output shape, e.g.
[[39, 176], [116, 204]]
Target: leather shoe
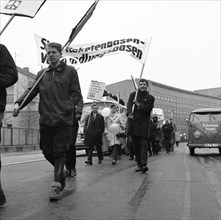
[[100, 162], [145, 169], [88, 162], [139, 169], [73, 173], [113, 162], [2, 198]]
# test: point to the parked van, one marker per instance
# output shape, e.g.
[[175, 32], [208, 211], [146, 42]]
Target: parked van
[[204, 129]]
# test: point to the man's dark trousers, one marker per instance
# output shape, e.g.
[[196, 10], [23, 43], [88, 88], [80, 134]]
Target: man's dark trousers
[[140, 147]]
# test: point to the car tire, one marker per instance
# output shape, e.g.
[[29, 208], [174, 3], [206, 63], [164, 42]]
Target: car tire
[[192, 151]]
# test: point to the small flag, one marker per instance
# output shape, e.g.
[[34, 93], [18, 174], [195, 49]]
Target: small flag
[[26, 8], [117, 98], [81, 23]]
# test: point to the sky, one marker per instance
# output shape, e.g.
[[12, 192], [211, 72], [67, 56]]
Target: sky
[[184, 50]]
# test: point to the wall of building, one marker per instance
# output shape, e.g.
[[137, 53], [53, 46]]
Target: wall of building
[[211, 92], [29, 116], [175, 102]]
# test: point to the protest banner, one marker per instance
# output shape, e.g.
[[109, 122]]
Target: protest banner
[[136, 48]]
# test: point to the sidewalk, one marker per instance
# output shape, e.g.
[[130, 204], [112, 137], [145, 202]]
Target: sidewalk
[[14, 158]]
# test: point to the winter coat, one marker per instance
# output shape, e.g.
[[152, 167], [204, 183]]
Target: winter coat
[[153, 129], [177, 136], [139, 125], [59, 91], [78, 112], [167, 130], [94, 129], [8, 74], [113, 119]]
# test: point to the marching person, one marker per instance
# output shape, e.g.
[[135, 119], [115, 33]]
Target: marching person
[[94, 129], [167, 130], [139, 121], [59, 91], [153, 130], [173, 133], [177, 138], [71, 153], [8, 77], [114, 119]]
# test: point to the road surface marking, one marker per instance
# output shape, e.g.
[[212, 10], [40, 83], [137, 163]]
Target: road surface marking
[[186, 205]]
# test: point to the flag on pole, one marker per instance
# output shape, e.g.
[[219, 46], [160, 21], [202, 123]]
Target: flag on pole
[[81, 23], [118, 99], [26, 8]]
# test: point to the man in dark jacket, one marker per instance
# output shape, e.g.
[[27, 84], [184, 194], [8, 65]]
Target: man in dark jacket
[[8, 77], [94, 129], [71, 153], [138, 111], [167, 130], [153, 130], [59, 91]]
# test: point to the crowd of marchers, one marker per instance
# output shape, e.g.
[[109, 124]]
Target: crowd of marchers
[[133, 132]]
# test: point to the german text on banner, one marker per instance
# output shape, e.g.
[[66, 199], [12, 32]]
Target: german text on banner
[[136, 48], [96, 90], [27, 8]]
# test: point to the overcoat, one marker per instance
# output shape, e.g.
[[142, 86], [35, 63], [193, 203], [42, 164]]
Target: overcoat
[[113, 119], [94, 129], [139, 125], [8, 74], [59, 91]]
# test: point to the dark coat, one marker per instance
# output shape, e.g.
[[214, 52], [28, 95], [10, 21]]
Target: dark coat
[[59, 91], [153, 129], [167, 130], [94, 129], [8, 74], [139, 125]]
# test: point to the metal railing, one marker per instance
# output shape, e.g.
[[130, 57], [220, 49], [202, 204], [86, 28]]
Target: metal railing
[[19, 136]]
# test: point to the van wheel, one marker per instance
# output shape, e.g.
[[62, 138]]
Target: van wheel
[[192, 151]]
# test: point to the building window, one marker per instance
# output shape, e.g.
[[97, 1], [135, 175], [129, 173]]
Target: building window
[[10, 98]]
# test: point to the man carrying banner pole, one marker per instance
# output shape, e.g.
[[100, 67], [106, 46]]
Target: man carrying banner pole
[[59, 91], [139, 107]]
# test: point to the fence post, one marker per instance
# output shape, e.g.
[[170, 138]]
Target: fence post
[[11, 136], [26, 136]]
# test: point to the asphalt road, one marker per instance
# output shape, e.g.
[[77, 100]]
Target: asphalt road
[[177, 186]]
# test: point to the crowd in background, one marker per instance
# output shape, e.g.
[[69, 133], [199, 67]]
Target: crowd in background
[[133, 132]]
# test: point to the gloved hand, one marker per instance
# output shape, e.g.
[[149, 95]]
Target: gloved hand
[[78, 117], [16, 110], [136, 103], [130, 116]]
